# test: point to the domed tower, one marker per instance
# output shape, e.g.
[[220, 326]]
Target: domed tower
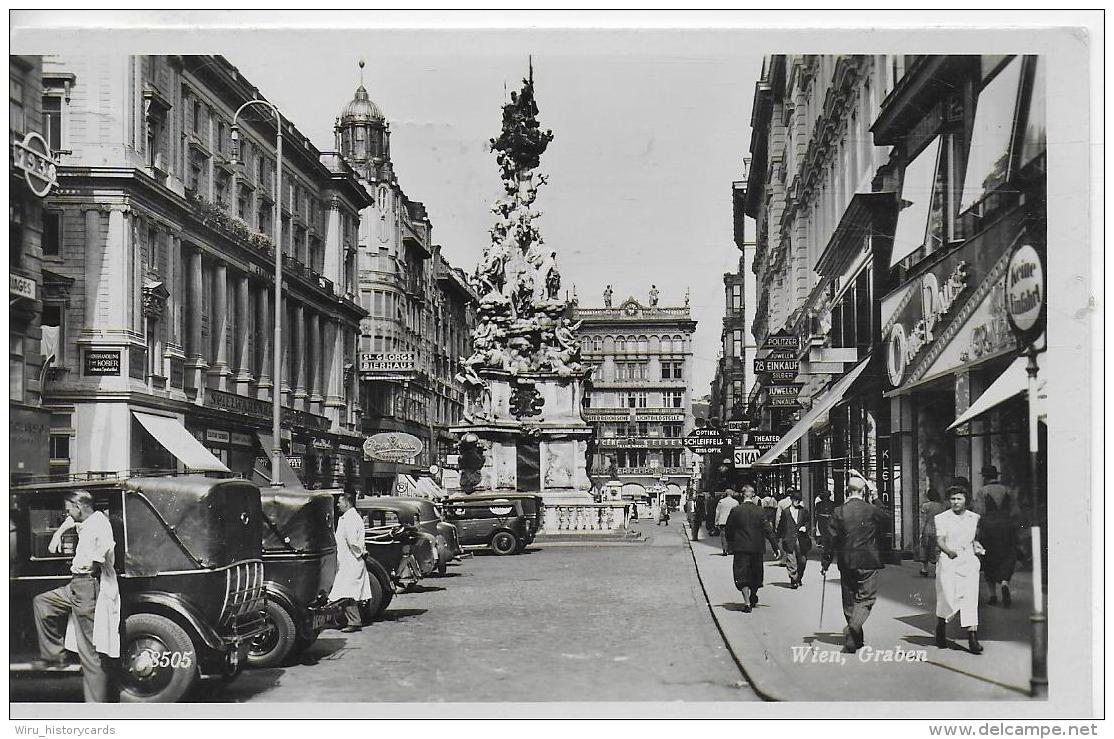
[[363, 136]]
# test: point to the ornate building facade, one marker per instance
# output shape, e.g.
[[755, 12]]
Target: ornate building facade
[[420, 308], [640, 401], [162, 277]]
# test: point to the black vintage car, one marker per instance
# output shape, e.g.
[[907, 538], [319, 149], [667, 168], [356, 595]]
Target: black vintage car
[[299, 563], [423, 515], [499, 523], [189, 566], [405, 551], [532, 507]]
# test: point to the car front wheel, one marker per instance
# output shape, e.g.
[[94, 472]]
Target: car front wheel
[[158, 660], [504, 542]]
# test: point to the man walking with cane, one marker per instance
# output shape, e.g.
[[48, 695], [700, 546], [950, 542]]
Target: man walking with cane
[[854, 531]]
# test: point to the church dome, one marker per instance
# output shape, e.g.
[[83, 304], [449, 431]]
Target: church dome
[[361, 109]]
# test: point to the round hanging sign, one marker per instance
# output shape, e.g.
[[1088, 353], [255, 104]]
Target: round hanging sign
[[1025, 293], [392, 446]]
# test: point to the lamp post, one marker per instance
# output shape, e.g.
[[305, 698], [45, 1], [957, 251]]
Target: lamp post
[[276, 408]]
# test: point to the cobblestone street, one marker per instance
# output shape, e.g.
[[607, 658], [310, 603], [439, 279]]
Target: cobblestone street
[[559, 623]]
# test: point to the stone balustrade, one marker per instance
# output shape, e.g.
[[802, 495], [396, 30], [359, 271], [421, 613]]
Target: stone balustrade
[[585, 518]]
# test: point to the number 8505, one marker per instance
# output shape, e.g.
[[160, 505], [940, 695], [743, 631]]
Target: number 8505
[[170, 659]]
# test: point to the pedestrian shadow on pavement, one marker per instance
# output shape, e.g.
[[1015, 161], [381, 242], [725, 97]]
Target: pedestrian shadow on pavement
[[834, 638], [321, 649], [782, 585], [400, 614], [423, 589], [738, 607]]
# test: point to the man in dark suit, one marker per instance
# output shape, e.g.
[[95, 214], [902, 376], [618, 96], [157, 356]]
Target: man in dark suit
[[854, 531], [747, 531], [792, 532], [697, 502]]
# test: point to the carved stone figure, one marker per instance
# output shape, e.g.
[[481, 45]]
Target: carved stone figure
[[653, 296], [607, 293], [552, 278]]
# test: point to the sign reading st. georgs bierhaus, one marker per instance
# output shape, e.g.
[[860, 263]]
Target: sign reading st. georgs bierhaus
[[375, 362]]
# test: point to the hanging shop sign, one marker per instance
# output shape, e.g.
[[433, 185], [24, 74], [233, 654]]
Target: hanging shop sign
[[764, 442], [101, 363], [239, 439], [1025, 293], [707, 440], [782, 362], [392, 446], [261, 409], [783, 396], [32, 157], [782, 340], [21, 287], [375, 362], [743, 457], [219, 437], [736, 426]]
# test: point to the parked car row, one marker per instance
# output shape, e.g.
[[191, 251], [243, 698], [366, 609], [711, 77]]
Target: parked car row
[[217, 574]]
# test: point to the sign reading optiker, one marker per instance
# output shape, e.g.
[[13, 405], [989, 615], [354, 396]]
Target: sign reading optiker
[[373, 362]]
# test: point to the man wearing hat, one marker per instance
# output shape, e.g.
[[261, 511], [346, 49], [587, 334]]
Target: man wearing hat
[[747, 530], [792, 532], [854, 531], [999, 513]]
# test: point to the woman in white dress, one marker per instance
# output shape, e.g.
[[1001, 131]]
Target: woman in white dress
[[957, 573]]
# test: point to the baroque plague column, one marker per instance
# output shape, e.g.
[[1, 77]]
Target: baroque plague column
[[524, 378]]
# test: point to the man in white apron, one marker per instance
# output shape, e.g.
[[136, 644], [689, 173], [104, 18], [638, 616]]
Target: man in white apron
[[957, 573], [90, 603], [352, 580]]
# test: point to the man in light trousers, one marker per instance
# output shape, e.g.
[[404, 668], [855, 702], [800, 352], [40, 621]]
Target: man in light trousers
[[723, 509]]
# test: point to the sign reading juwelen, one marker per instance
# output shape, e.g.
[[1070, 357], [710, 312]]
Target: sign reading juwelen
[[781, 362], [1025, 295], [377, 362], [392, 446], [783, 396]]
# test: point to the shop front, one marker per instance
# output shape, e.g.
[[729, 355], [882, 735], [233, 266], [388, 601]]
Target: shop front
[[947, 342]]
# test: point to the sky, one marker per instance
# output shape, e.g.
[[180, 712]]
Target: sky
[[650, 129]]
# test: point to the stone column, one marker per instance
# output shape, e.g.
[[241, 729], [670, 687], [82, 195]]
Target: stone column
[[334, 247], [264, 336], [334, 372], [220, 370], [317, 381], [196, 353], [298, 357], [244, 377], [94, 257]]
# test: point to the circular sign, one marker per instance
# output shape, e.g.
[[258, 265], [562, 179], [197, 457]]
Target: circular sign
[[392, 446], [896, 355], [1025, 293], [32, 155]]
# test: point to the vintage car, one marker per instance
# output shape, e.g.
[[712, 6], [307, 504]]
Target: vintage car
[[423, 515], [409, 551], [532, 507], [499, 523], [189, 564], [299, 563]]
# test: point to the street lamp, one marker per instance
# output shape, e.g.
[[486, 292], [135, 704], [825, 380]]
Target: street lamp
[[276, 409]]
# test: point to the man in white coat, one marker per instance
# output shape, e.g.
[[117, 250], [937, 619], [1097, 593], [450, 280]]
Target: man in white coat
[[89, 605], [723, 510], [352, 579]]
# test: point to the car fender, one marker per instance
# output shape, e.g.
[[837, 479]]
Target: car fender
[[180, 611]]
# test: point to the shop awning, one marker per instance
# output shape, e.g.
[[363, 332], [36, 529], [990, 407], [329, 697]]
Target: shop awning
[[173, 435], [289, 477], [819, 407], [1011, 383]]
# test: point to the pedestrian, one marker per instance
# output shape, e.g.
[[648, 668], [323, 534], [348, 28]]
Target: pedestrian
[[822, 509], [83, 616], [929, 510], [723, 508], [792, 533], [853, 542], [634, 510], [783, 503], [663, 513], [957, 578], [748, 530], [769, 511], [352, 580], [696, 517], [998, 534]]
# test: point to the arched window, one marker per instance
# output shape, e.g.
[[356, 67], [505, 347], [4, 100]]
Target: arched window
[[597, 344], [620, 344], [666, 345], [643, 344], [678, 344]]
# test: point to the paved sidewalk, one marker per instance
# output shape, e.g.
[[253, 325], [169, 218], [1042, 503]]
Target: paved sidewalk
[[784, 649]]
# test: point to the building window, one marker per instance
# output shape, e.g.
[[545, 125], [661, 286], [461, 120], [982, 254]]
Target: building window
[[15, 367], [642, 398], [223, 189], [673, 398], [1033, 143], [918, 183], [988, 162], [672, 370], [59, 448], [52, 233], [52, 333], [737, 342], [16, 114], [671, 458], [52, 122]]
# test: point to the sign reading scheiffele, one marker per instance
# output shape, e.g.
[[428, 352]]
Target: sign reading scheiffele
[[392, 446]]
